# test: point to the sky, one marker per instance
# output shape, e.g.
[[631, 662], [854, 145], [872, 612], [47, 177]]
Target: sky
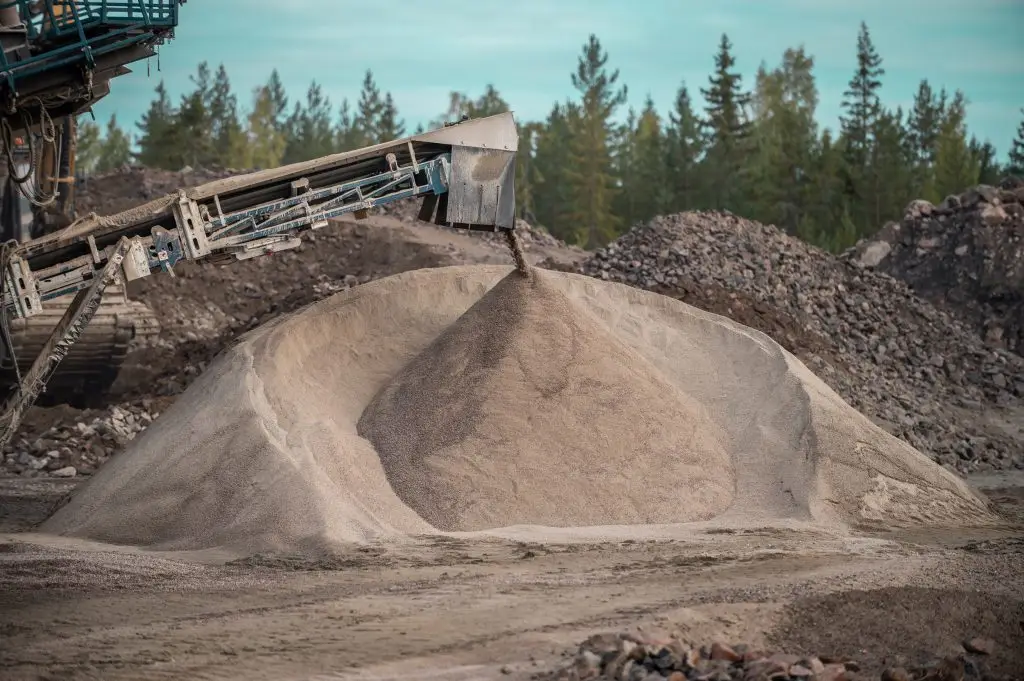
[[529, 48]]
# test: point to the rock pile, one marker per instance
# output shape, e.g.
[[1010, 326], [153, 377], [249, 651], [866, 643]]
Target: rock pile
[[966, 254], [76, 443], [630, 656], [130, 186], [918, 371]]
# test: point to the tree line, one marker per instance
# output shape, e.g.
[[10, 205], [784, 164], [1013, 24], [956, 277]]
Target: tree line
[[587, 175]]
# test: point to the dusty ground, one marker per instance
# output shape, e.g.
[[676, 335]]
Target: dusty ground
[[459, 609]]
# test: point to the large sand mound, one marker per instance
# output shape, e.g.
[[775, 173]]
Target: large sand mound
[[527, 411], [494, 400]]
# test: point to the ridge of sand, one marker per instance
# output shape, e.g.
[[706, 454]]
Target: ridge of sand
[[262, 452]]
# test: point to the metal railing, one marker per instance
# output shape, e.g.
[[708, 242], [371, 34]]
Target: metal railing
[[80, 30], [55, 18]]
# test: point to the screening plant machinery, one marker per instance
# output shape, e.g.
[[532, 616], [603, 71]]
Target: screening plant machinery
[[464, 173]]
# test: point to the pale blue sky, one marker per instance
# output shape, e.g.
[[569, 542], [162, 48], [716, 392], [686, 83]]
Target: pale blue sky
[[528, 48]]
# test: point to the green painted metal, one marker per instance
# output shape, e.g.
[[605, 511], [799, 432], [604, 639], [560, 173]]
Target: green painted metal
[[69, 32]]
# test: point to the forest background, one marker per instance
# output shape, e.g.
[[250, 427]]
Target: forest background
[[587, 174]]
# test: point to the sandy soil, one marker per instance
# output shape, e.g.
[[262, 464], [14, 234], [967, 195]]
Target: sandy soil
[[415, 603], [447, 608]]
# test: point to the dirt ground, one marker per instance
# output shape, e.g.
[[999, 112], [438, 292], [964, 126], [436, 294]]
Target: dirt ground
[[481, 609]]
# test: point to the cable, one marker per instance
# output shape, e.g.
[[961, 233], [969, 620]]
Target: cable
[[48, 135]]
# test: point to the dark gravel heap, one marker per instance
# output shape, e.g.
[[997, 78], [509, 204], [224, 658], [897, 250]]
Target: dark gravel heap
[[916, 370], [966, 254], [130, 186], [633, 657]]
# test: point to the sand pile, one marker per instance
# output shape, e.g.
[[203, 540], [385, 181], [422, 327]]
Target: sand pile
[[525, 399], [494, 400]]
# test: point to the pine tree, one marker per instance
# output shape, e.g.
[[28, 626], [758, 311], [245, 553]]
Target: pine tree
[[989, 171], [527, 175], [644, 192], [552, 159], [266, 140], [344, 131], [591, 184], [623, 145], [368, 112], [389, 126], [861, 101], [227, 132], [923, 126], [116, 149], [278, 99], [862, 108], [826, 222], [490, 103], [1016, 164], [784, 104], [684, 146], [196, 121], [458, 104], [317, 129], [956, 168], [89, 144], [159, 133], [728, 130], [310, 130], [891, 169]]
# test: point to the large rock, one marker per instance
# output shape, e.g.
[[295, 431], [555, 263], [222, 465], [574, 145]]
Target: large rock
[[966, 254]]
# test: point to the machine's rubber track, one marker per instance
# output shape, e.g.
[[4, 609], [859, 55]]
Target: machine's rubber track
[[92, 365]]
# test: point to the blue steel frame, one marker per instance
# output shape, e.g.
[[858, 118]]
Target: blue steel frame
[[94, 27]]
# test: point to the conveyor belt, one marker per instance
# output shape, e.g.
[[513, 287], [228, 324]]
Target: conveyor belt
[[464, 172]]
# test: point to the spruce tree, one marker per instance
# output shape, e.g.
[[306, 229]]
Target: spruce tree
[[647, 189], [389, 126], [527, 175], [891, 169], [623, 147], [825, 222], [728, 130], [266, 139], [228, 134], [923, 124], [553, 193], [344, 130], [490, 103], [862, 108], [989, 171], [368, 112], [591, 184], [956, 168], [88, 144], [460, 104], [278, 98], [116, 148], [196, 121], [684, 146], [785, 135], [861, 101], [158, 138]]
